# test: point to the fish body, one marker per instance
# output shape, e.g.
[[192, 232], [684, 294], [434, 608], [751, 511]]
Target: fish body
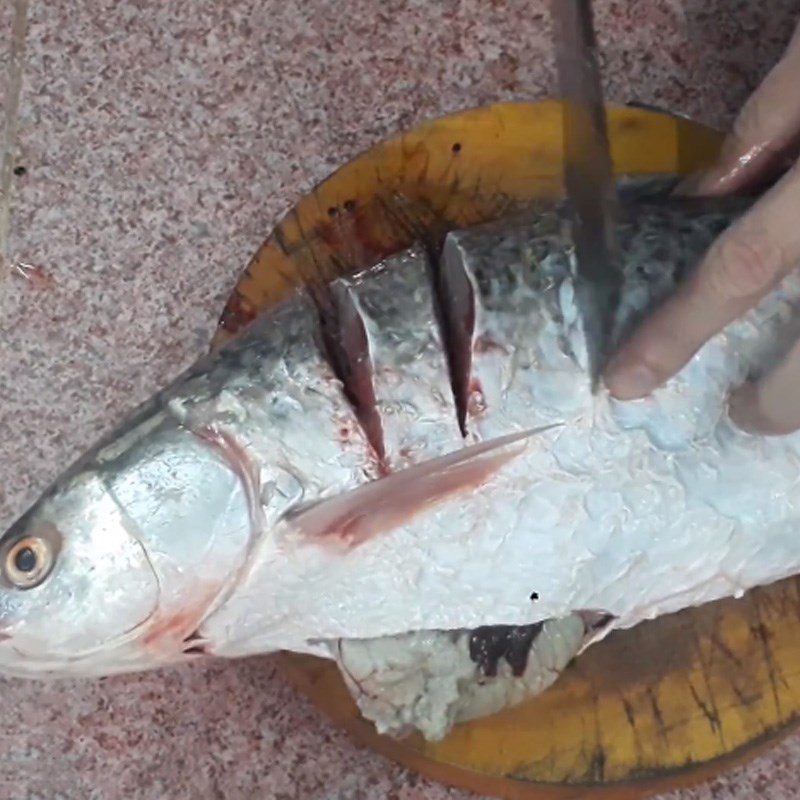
[[415, 456]]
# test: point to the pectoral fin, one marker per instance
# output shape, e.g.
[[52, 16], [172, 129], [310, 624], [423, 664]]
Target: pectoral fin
[[382, 505]]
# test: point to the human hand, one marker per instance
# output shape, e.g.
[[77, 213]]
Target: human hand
[[745, 263]]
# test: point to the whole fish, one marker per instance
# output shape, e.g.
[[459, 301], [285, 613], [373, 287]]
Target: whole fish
[[409, 474]]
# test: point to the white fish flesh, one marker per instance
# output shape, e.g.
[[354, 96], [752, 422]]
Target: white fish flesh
[[409, 471], [431, 680]]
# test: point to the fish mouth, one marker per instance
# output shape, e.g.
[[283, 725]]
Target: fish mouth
[[21, 664], [120, 654]]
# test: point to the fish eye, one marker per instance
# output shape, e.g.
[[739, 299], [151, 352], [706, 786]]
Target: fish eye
[[26, 562]]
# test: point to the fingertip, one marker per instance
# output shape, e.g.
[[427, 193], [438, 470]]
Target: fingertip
[[743, 409], [654, 353], [628, 379], [699, 184], [754, 410], [688, 186]]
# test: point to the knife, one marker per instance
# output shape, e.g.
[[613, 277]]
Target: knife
[[589, 179]]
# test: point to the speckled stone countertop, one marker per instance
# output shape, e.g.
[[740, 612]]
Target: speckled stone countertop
[[159, 142]]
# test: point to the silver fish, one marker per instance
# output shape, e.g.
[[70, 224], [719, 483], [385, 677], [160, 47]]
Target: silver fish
[[413, 463]]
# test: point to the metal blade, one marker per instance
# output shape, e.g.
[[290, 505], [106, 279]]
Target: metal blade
[[589, 178]]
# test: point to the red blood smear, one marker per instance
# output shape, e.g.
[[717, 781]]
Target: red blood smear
[[476, 400], [173, 629], [485, 344], [237, 314]]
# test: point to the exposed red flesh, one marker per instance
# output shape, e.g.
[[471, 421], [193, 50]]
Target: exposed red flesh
[[346, 346], [456, 306]]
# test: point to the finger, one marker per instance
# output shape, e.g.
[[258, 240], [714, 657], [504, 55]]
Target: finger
[[770, 406], [764, 134], [745, 262]]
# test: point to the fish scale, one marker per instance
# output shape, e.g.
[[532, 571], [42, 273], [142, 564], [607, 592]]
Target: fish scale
[[279, 379]]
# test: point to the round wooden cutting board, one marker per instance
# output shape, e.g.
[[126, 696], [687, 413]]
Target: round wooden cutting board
[[665, 704]]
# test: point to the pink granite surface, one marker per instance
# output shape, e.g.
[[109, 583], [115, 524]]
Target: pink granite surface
[[160, 141]]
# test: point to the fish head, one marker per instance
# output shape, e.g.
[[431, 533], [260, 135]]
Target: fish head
[[114, 568], [74, 581]]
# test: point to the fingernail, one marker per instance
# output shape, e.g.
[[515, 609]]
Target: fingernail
[[631, 383]]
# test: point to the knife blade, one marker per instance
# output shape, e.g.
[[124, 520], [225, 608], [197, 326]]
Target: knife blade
[[589, 179]]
